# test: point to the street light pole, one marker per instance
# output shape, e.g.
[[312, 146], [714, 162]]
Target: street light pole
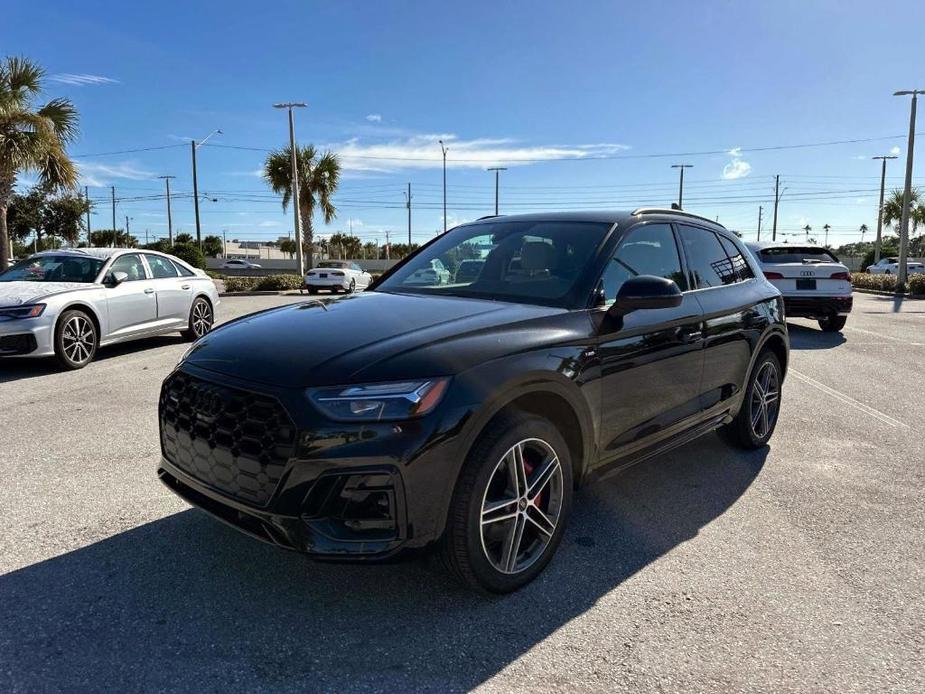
[[444, 150], [294, 183], [681, 183], [497, 170], [907, 190], [193, 147], [169, 216], [87, 198], [408, 205], [880, 208]]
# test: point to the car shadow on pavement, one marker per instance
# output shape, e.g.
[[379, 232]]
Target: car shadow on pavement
[[186, 603], [804, 337], [19, 368]]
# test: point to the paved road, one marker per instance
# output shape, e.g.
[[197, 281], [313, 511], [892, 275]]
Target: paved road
[[796, 568]]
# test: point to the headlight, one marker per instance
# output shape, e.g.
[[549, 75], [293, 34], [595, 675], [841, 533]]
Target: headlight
[[30, 311], [378, 401]]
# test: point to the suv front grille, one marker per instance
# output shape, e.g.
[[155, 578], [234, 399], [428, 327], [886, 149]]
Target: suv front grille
[[232, 440]]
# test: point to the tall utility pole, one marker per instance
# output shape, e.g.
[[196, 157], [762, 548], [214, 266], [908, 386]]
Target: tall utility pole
[[225, 244], [880, 208], [907, 189], [776, 202], [681, 183], [497, 170], [444, 150], [760, 209], [87, 198], [408, 205], [193, 147], [127, 219], [294, 184], [388, 246], [169, 216], [112, 243]]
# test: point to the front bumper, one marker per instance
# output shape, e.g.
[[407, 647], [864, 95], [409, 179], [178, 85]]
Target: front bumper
[[27, 337], [817, 306], [336, 491]]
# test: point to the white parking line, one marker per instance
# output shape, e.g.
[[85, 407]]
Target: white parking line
[[885, 337], [866, 409]]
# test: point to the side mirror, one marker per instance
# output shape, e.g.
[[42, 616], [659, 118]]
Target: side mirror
[[646, 291], [117, 278]]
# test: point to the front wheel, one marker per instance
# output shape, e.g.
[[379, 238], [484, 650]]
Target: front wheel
[[510, 505], [352, 287], [201, 318], [757, 418], [76, 340], [832, 324]]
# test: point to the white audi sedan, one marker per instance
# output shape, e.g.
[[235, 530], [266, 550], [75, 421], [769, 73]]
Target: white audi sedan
[[68, 303], [890, 266], [337, 275], [810, 278]]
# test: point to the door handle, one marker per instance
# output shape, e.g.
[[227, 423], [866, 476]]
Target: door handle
[[688, 336], [184, 286], [149, 290]]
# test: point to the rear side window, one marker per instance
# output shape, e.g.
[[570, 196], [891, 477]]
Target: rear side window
[[647, 250], [740, 267], [161, 267], [797, 254], [708, 263], [184, 272]]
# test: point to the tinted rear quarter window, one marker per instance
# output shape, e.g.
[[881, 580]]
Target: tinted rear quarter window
[[706, 259], [740, 267]]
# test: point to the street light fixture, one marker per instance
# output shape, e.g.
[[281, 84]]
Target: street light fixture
[[193, 147], [681, 184], [295, 182], [907, 188], [444, 150], [497, 170]]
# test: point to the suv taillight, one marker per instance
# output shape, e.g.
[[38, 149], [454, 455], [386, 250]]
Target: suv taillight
[[773, 275], [841, 276]]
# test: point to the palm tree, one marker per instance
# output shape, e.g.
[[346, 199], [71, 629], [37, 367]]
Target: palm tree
[[807, 229], [318, 179], [893, 209], [32, 139], [863, 231]]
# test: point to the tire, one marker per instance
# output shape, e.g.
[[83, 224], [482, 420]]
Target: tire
[[480, 557], [743, 431], [76, 340], [832, 324], [201, 319], [312, 290], [353, 287], [887, 272]]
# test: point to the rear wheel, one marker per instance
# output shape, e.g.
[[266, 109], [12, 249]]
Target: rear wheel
[[754, 424], [201, 318], [353, 286], [312, 290], [76, 340], [832, 324], [510, 504]]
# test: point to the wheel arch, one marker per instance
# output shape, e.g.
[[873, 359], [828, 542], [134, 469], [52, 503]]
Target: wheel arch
[[86, 308]]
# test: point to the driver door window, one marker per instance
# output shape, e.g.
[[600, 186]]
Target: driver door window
[[646, 250], [131, 265]]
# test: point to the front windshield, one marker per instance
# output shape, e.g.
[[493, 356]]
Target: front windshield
[[54, 268], [524, 261]]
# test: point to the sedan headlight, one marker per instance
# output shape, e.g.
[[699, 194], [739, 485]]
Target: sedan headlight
[[380, 401], [29, 311]]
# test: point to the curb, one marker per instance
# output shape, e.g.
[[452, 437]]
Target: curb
[[279, 293], [880, 292]]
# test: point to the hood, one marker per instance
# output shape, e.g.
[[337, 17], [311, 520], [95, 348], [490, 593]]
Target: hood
[[369, 336], [19, 293]]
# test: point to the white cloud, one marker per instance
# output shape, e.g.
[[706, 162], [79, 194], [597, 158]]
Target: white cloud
[[268, 223], [423, 152], [737, 168], [374, 118], [97, 174], [735, 152], [82, 80], [895, 151]]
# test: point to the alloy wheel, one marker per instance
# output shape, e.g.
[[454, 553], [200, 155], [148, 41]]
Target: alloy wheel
[[78, 339], [202, 318], [521, 506], [764, 400]]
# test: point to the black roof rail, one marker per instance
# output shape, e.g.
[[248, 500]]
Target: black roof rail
[[666, 210]]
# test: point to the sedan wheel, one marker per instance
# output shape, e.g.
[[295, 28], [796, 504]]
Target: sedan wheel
[[201, 318], [75, 340], [353, 286]]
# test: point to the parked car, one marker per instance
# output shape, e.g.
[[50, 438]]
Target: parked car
[[433, 272], [890, 266], [468, 271], [465, 416], [238, 264], [812, 280], [69, 303], [337, 275]]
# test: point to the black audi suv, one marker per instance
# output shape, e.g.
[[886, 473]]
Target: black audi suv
[[465, 412]]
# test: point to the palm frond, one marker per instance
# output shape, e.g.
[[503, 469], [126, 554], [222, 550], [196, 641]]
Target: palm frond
[[62, 115], [20, 79]]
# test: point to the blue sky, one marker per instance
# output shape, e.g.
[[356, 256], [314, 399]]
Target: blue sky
[[588, 90]]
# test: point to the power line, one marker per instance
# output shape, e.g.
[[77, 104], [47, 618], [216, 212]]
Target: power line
[[125, 151]]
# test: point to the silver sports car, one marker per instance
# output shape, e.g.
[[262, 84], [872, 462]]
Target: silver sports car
[[67, 303]]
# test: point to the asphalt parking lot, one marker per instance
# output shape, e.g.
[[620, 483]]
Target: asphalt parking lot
[[795, 568]]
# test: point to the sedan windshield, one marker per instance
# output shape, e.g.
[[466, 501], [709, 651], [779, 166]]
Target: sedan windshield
[[523, 261], [54, 268]]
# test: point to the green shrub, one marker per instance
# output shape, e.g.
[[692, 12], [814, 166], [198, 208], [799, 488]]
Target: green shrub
[[189, 253], [886, 283], [272, 283], [215, 275], [917, 284]]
